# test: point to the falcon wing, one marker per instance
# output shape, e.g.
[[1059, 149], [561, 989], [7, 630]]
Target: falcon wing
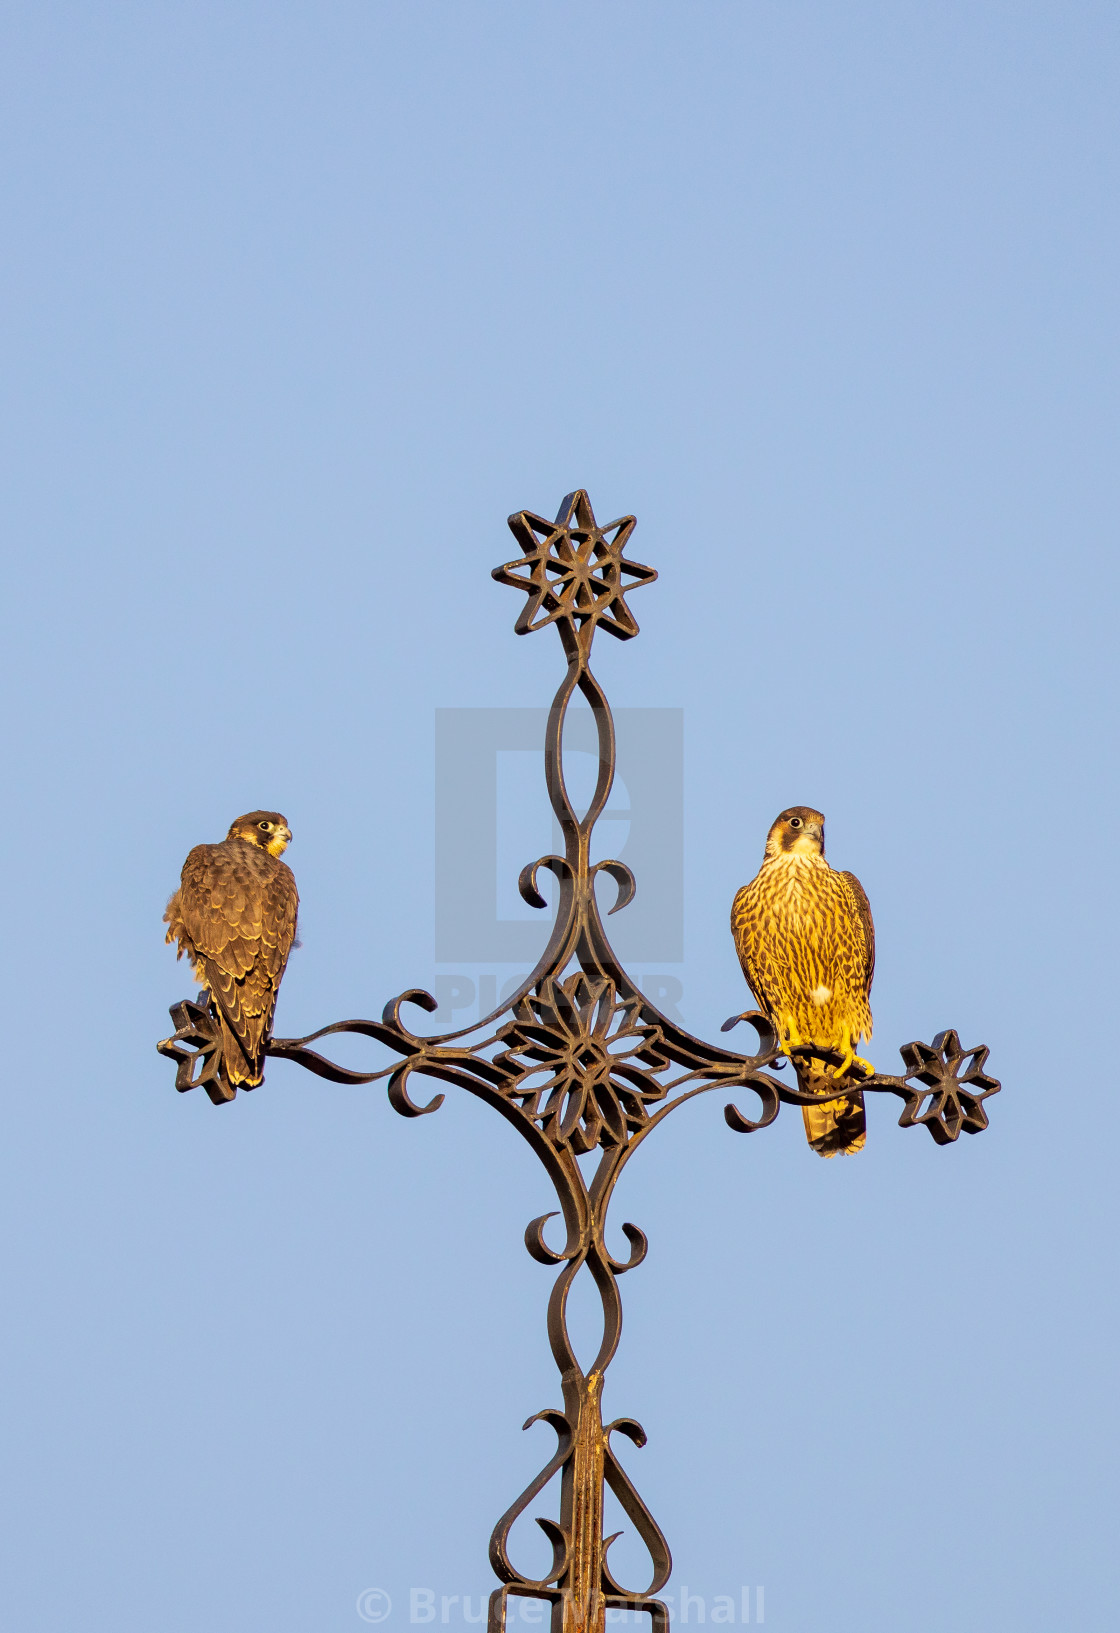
[[743, 930], [278, 923], [867, 925]]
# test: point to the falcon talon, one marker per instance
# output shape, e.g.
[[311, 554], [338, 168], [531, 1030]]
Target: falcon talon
[[583, 1065]]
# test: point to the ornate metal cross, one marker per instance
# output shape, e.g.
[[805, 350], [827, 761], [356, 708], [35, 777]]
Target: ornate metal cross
[[580, 1061]]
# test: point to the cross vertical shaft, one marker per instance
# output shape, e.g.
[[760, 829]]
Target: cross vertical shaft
[[581, 1506]]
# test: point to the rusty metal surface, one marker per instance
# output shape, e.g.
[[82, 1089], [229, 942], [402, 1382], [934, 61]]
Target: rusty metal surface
[[580, 1061]]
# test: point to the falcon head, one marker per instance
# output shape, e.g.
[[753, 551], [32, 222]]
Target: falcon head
[[799, 831], [267, 830]]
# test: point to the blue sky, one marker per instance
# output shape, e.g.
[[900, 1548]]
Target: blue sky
[[299, 303]]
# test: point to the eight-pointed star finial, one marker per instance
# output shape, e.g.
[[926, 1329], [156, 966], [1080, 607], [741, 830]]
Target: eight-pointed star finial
[[574, 569], [955, 1087]]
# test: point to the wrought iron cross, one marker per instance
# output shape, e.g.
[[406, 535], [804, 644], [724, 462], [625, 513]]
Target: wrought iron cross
[[580, 1061]]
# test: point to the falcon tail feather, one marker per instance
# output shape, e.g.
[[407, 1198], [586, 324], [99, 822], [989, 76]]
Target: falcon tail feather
[[837, 1128], [242, 1072], [238, 1068]]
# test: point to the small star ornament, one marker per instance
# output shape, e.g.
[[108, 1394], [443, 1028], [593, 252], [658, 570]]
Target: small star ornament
[[573, 570], [955, 1086]]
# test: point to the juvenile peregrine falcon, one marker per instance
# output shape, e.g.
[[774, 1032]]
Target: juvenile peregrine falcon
[[806, 942], [234, 915]]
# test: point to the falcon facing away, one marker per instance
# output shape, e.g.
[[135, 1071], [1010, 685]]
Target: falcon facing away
[[234, 915], [806, 942]]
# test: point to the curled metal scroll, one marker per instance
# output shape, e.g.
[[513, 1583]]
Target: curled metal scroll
[[580, 1061]]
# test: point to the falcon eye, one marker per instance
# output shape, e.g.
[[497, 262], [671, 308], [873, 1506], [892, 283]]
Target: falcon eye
[[794, 822], [265, 825]]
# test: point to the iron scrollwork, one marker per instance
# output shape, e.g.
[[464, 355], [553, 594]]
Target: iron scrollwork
[[580, 1061]]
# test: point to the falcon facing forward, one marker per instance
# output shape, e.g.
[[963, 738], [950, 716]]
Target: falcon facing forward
[[234, 915], [806, 942]]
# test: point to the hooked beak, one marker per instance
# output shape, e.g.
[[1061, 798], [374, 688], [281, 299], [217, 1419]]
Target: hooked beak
[[281, 839]]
